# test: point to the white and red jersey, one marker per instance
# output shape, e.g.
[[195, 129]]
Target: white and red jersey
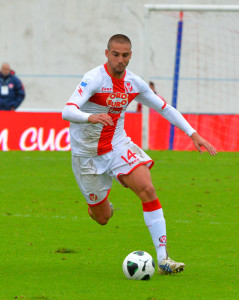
[[99, 92]]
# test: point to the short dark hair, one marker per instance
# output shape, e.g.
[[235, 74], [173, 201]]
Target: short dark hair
[[120, 38]]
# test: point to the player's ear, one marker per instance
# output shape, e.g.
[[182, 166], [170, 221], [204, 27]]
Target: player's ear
[[106, 52]]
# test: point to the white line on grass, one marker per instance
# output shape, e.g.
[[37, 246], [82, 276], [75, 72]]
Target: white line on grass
[[40, 216], [76, 217]]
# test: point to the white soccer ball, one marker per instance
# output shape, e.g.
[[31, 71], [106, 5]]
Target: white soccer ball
[[139, 265]]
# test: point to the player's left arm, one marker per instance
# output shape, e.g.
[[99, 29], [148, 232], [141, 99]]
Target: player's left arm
[[201, 142], [176, 118]]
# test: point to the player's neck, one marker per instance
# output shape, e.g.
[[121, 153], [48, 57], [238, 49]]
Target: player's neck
[[113, 74]]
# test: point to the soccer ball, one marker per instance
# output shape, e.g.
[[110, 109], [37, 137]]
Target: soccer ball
[[139, 265]]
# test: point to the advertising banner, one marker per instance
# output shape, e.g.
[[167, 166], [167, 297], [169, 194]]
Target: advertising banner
[[46, 131]]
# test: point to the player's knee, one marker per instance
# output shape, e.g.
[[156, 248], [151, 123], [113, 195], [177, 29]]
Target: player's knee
[[102, 220], [148, 191], [101, 214]]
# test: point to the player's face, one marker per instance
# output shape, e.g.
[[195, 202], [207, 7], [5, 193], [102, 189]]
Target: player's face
[[118, 56]]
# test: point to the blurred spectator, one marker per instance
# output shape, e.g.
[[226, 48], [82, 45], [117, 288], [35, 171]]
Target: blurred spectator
[[151, 85], [11, 89]]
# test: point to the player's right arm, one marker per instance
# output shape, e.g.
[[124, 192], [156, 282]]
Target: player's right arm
[[75, 115], [72, 111], [103, 119]]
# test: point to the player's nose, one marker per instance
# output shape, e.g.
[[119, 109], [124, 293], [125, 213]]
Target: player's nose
[[120, 59]]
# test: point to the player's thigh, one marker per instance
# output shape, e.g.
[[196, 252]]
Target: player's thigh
[[131, 168], [94, 187], [139, 177], [139, 181], [128, 158]]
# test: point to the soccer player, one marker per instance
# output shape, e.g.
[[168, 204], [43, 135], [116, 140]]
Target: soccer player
[[101, 149]]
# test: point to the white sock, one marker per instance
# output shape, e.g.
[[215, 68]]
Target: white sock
[[154, 220]]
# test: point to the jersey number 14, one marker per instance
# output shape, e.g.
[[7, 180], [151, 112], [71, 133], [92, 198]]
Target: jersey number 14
[[130, 154]]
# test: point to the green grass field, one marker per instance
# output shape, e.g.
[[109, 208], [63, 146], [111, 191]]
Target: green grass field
[[51, 249]]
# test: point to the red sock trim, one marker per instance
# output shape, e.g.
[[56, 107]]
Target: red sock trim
[[152, 205]]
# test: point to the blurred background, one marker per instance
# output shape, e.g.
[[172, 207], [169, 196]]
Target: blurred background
[[50, 44]]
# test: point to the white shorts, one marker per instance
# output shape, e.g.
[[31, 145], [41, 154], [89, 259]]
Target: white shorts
[[94, 174]]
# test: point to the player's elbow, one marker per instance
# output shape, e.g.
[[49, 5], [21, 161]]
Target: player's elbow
[[65, 114], [102, 219]]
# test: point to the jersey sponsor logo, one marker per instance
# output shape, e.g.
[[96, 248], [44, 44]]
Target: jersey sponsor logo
[[128, 87], [93, 197], [80, 91], [106, 89], [84, 83], [115, 110], [119, 100]]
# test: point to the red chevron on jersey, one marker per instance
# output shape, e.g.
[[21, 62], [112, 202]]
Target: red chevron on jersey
[[100, 98], [113, 99], [104, 94]]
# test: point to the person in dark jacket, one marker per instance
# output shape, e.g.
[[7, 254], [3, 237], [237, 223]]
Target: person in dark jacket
[[12, 92]]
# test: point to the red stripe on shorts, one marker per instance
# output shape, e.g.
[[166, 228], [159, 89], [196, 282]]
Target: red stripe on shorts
[[151, 206], [151, 162], [96, 204]]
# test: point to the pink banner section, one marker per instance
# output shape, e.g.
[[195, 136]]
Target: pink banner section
[[43, 131], [222, 131]]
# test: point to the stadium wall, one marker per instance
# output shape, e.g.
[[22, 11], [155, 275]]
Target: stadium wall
[[52, 43]]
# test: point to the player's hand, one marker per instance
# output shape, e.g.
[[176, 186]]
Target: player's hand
[[199, 142], [103, 119]]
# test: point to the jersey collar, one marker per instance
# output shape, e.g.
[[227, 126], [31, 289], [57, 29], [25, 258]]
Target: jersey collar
[[106, 69]]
